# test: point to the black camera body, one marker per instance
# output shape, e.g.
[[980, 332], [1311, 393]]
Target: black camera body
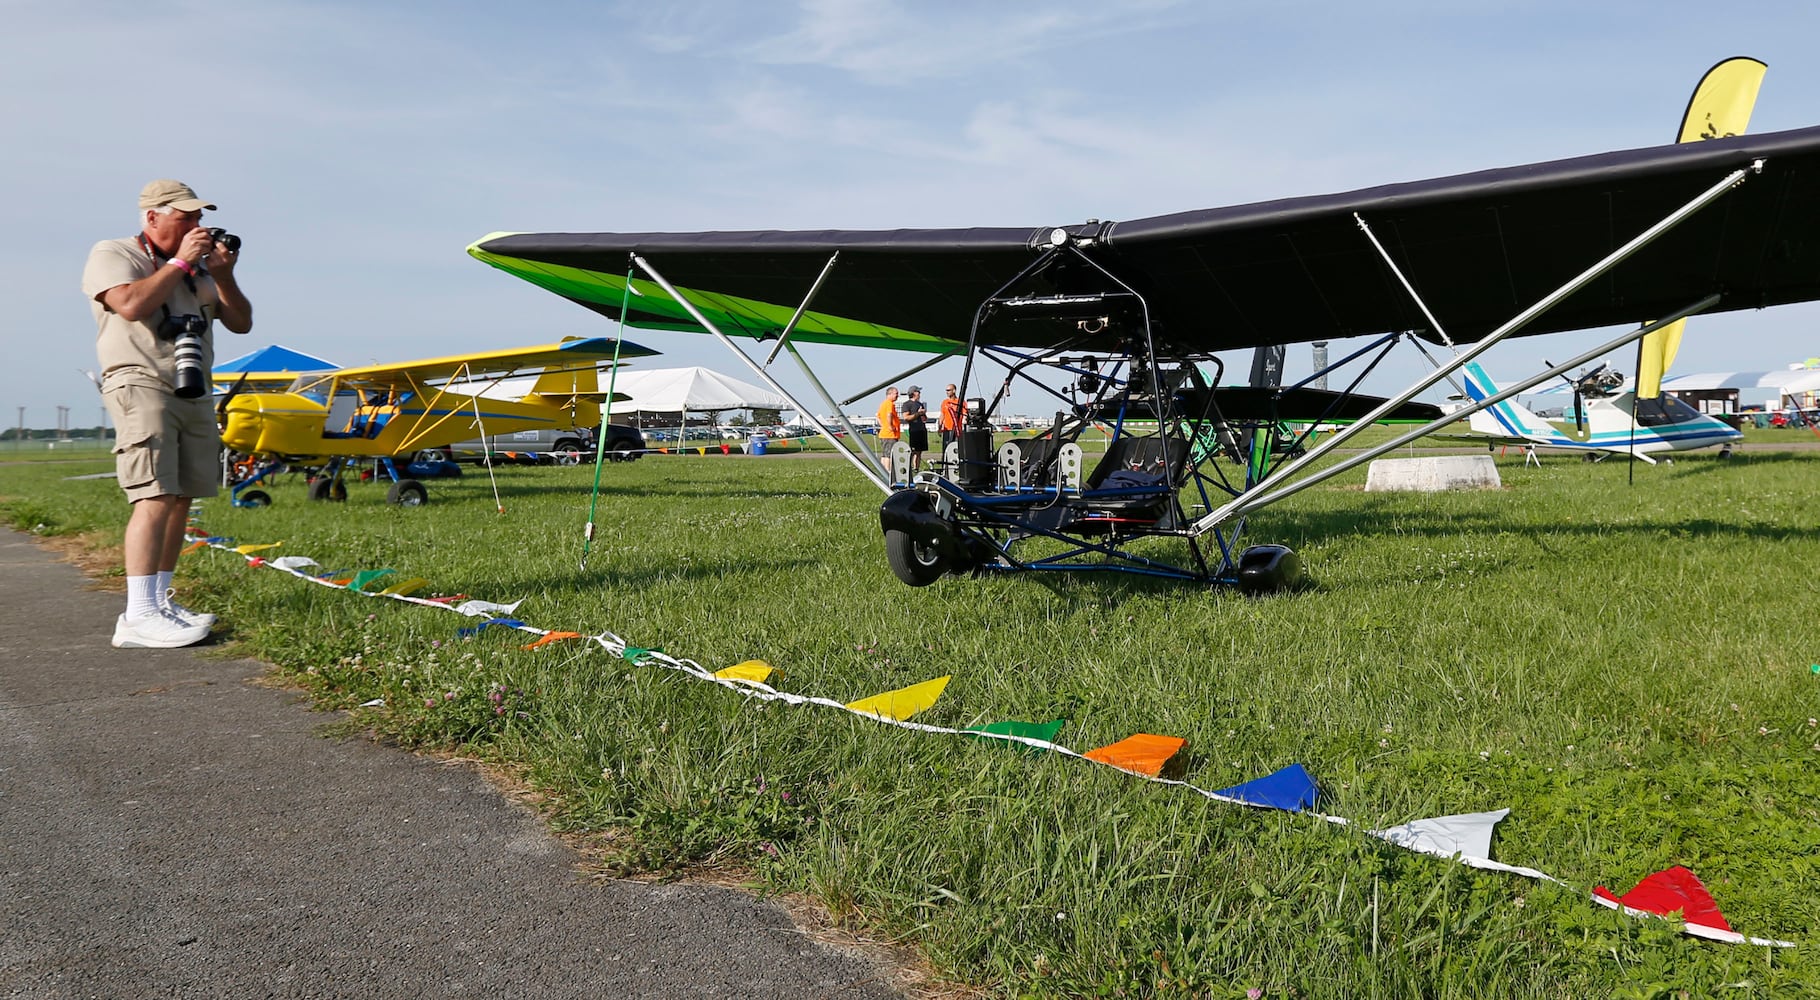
[[225, 240], [188, 330]]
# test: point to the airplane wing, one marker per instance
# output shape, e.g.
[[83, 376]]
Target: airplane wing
[[1479, 247], [577, 352]]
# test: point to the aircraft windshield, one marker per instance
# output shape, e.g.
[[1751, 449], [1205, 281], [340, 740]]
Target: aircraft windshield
[[1663, 410]]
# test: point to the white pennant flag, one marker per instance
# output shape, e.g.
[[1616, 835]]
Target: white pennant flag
[[1467, 834], [475, 609], [294, 562]]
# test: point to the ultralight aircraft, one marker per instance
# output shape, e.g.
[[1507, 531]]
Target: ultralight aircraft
[[1119, 322], [391, 410], [1610, 418]]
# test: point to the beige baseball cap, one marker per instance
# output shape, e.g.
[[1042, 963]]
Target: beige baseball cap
[[173, 193]]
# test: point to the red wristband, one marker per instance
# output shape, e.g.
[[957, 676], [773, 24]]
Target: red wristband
[[180, 262]]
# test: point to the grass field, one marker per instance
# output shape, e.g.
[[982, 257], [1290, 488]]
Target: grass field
[[1626, 667]]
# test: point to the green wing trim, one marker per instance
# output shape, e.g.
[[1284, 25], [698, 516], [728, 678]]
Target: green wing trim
[[652, 308]]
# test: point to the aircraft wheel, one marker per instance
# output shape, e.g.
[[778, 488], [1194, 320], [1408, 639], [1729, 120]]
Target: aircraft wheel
[[1264, 569], [917, 563], [324, 488], [253, 498], [1725, 452], [1588, 457], [407, 493]]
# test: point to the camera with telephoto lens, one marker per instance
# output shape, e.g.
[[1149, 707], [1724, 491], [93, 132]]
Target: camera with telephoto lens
[[188, 330], [225, 240]]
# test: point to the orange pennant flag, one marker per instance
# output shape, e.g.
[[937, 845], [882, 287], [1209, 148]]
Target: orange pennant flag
[[550, 637], [1139, 754], [193, 546]]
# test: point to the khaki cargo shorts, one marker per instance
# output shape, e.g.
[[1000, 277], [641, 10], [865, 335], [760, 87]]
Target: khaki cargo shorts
[[163, 446]]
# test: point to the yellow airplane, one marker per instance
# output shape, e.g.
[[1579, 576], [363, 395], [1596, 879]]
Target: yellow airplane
[[383, 411]]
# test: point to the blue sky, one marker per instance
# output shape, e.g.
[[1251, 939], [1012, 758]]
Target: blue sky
[[358, 148]]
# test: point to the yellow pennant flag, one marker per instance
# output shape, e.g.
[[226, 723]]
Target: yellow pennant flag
[[1721, 106], [247, 550], [403, 587], [756, 671], [904, 702]]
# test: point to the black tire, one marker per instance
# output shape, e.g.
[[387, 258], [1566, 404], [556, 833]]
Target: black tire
[[254, 498], [324, 488], [918, 564], [407, 493], [433, 455], [566, 452], [622, 451]]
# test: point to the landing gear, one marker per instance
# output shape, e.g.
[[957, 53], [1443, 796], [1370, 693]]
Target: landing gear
[[917, 563], [1266, 569], [328, 487], [407, 493], [253, 498]]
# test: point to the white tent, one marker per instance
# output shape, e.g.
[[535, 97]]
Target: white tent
[[689, 390]]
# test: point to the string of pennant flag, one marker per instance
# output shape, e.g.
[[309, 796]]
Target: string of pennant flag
[[1465, 838]]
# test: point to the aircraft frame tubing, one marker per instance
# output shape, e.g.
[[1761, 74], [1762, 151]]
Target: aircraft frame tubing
[[1276, 486], [873, 473], [974, 518]]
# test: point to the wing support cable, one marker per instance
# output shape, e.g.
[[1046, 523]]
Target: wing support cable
[[875, 475], [797, 317], [1282, 492], [900, 376], [1271, 489]]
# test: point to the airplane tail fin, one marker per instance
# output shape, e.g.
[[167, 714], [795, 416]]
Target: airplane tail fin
[[1509, 418], [574, 389]]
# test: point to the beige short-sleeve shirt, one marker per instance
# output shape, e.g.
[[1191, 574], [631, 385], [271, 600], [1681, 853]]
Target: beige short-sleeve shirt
[[122, 343]]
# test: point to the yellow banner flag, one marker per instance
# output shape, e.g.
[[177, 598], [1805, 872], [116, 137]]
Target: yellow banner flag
[[904, 702], [1721, 106], [403, 587], [756, 671], [247, 550]]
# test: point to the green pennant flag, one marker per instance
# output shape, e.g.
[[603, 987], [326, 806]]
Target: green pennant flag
[[1045, 731], [366, 576], [633, 654]]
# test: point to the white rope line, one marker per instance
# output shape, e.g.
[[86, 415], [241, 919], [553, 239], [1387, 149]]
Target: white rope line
[[758, 690]]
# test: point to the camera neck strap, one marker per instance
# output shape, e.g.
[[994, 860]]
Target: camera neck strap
[[158, 256]]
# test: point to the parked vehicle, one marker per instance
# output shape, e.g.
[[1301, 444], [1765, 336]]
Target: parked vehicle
[[558, 446]]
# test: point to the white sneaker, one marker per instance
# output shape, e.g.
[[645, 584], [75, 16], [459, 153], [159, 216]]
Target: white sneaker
[[163, 630], [170, 604]]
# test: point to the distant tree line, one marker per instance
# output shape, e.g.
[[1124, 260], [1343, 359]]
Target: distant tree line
[[52, 434]]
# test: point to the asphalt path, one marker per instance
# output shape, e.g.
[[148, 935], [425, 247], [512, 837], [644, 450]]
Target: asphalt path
[[169, 827]]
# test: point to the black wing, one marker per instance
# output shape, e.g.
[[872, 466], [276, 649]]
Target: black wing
[[1478, 247]]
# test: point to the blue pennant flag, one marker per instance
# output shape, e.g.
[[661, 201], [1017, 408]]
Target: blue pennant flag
[[1290, 789], [501, 622]]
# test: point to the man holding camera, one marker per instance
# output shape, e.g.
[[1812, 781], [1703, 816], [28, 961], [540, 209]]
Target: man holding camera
[[155, 298]]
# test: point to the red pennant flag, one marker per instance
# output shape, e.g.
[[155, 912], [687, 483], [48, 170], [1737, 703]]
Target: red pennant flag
[[1665, 892]]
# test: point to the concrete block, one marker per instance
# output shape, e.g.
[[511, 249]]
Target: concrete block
[[1433, 475]]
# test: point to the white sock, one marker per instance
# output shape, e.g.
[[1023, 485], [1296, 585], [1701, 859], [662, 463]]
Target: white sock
[[164, 587], [141, 596]]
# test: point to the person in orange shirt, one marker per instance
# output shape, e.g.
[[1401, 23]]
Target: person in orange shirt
[[950, 424], [890, 428]]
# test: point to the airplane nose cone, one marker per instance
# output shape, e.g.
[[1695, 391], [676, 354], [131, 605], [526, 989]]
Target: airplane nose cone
[[240, 428]]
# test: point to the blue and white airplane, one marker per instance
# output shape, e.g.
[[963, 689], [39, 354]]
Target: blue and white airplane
[[1615, 423]]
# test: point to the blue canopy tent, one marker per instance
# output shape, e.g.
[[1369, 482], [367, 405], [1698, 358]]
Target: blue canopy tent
[[275, 359]]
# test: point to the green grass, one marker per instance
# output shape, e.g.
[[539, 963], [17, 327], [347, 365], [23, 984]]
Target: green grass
[[1625, 666]]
